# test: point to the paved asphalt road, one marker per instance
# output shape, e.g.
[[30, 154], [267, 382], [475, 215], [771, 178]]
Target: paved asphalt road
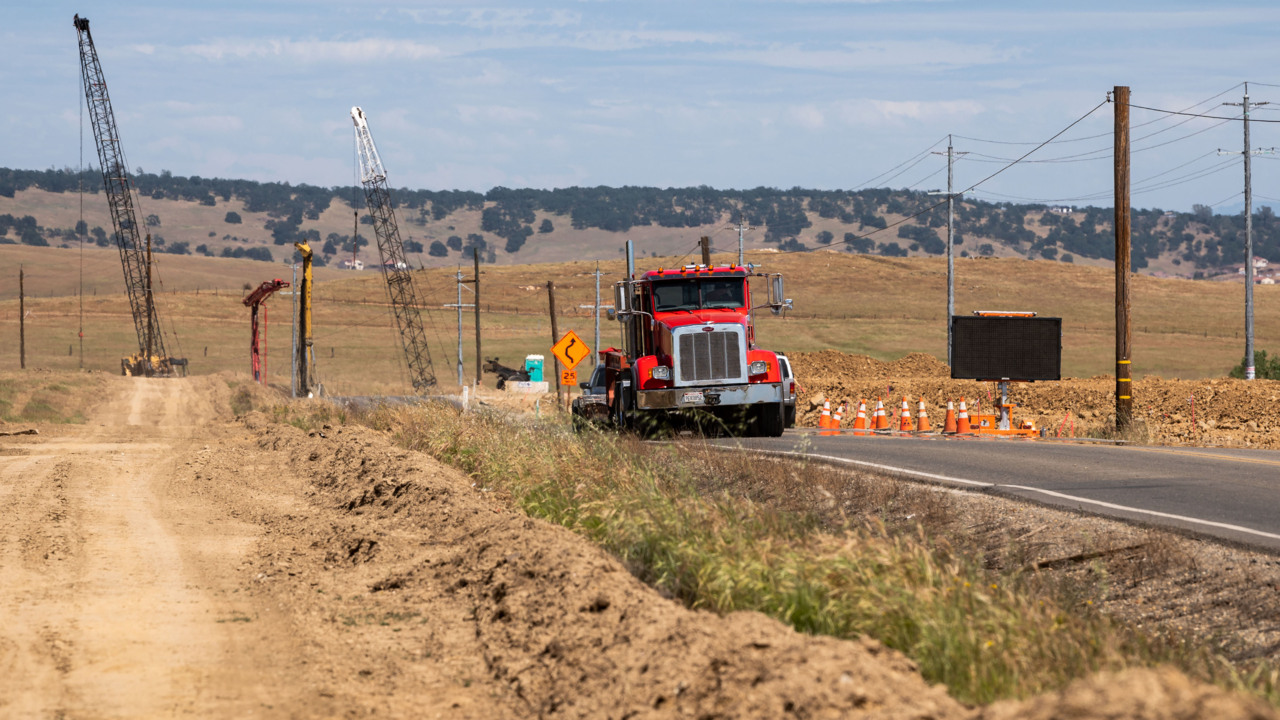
[[1229, 494]]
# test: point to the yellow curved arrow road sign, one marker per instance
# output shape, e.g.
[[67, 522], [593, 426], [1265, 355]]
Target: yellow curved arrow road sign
[[570, 350]]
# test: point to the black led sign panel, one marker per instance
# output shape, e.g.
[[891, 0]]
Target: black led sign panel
[[1006, 348]]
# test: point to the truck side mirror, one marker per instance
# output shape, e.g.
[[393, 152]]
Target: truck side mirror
[[777, 295], [622, 299]]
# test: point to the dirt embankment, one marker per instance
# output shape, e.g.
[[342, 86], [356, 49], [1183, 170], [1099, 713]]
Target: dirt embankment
[[164, 560], [1223, 412]]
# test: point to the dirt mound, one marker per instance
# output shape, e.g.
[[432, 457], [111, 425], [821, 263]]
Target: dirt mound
[[1222, 412], [562, 628], [917, 365], [819, 366], [1135, 694]]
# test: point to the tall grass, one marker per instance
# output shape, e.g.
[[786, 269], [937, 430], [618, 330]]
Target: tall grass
[[986, 634]]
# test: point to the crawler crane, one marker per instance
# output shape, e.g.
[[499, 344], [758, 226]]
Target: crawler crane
[[400, 290], [135, 254]]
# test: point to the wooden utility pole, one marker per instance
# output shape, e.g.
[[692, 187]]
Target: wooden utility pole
[[555, 336], [1124, 337], [706, 250], [22, 321], [479, 358]]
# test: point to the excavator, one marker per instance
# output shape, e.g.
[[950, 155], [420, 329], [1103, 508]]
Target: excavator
[[151, 360]]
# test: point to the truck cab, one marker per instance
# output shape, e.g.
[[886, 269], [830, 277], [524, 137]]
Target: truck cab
[[689, 345]]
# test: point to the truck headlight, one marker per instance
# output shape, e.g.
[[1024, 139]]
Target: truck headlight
[[759, 367], [660, 372]]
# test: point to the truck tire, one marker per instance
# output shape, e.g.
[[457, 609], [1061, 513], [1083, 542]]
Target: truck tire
[[623, 415], [771, 419]]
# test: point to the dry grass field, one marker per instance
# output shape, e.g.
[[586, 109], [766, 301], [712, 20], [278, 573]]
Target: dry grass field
[[870, 305]]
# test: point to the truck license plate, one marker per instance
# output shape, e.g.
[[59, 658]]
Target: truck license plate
[[691, 398]]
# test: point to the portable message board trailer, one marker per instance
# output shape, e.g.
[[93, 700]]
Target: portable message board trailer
[[1004, 347]]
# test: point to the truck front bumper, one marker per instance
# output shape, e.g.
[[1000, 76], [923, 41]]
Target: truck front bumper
[[709, 397]]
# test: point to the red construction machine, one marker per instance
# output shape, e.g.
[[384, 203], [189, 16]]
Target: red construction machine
[[689, 352], [257, 344]]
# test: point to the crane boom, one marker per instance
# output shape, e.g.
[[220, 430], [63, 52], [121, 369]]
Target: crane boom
[[400, 289], [134, 253]]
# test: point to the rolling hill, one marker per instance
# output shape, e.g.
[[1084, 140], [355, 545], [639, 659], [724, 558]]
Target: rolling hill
[[238, 218]]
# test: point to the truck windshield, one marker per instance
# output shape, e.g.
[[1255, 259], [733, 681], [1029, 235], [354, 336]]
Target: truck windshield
[[693, 294]]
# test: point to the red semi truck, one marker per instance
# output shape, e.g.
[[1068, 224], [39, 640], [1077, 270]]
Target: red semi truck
[[689, 352]]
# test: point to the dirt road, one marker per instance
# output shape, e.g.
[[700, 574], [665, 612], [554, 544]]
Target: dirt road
[[165, 559], [114, 581]]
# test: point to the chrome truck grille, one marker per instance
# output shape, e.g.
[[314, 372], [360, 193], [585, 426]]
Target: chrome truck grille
[[715, 356]]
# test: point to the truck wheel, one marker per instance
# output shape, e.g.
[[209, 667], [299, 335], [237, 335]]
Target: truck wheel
[[621, 410], [770, 419]]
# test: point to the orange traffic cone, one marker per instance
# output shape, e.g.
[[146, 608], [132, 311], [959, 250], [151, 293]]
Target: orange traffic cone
[[962, 422], [881, 420], [860, 421], [922, 419], [949, 424], [837, 416], [824, 420], [904, 417]]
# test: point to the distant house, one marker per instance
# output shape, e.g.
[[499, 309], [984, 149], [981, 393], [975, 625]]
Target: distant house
[[1062, 209], [353, 264]]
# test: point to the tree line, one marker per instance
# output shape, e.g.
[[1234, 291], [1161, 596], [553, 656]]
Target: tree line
[[1199, 239]]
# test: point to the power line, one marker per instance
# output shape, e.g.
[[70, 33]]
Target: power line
[[926, 177], [1225, 199], [1139, 187], [1197, 115], [918, 157], [940, 203], [1102, 135], [1105, 153]]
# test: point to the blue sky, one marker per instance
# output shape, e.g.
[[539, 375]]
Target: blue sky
[[819, 94]]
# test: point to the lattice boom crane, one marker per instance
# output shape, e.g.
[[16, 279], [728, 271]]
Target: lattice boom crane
[[400, 289], [135, 255]]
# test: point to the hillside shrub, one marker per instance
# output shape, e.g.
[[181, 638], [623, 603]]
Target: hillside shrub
[[1265, 368]]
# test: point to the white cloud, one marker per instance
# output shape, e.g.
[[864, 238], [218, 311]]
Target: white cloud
[[501, 114], [875, 112], [900, 55], [310, 51], [807, 116], [213, 123], [496, 18], [606, 40]]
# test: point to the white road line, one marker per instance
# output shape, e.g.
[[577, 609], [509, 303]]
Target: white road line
[[996, 486]]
